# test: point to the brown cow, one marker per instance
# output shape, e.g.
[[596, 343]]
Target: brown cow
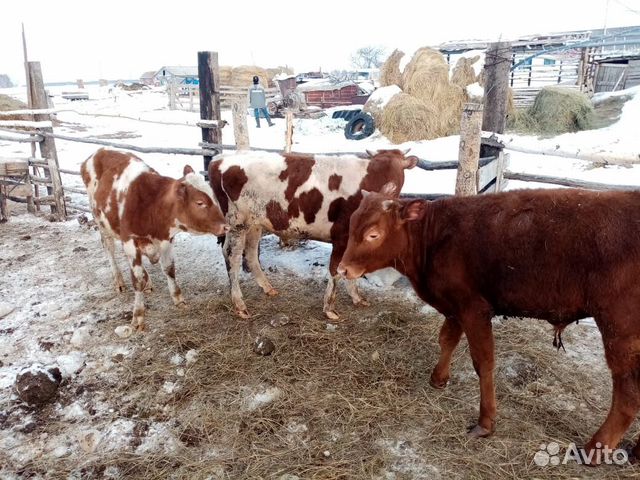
[[133, 203], [558, 255], [296, 196]]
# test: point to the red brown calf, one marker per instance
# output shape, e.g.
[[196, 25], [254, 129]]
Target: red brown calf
[[558, 255], [296, 196], [133, 203]]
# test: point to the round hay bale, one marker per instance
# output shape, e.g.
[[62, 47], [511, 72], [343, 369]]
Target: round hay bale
[[379, 99], [390, 71], [407, 118], [463, 73], [243, 76], [559, 110], [425, 74]]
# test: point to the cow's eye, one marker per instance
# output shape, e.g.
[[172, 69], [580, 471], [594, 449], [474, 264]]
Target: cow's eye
[[200, 203], [371, 236]]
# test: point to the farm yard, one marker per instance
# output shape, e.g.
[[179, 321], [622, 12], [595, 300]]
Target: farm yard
[[195, 397]]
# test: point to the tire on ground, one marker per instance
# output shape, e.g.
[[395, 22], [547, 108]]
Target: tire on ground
[[359, 127]]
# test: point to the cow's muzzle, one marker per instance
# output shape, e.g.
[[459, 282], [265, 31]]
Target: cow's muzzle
[[349, 271]]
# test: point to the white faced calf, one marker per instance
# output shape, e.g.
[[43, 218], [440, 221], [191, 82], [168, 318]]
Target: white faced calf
[[131, 202]]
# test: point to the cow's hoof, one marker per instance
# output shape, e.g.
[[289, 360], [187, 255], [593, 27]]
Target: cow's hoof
[[121, 287], [244, 314], [331, 315], [438, 383], [148, 289], [361, 302], [478, 432], [272, 292], [140, 327], [182, 305]]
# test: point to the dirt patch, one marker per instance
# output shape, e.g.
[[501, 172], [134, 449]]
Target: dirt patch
[[191, 399]]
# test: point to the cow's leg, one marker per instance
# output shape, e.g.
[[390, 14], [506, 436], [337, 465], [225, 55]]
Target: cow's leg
[[330, 298], [139, 278], [623, 359], [354, 293], [476, 324], [450, 335], [254, 234], [109, 245], [169, 268], [234, 248]]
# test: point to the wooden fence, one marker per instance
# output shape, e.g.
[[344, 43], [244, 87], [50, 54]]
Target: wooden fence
[[185, 97], [482, 164]]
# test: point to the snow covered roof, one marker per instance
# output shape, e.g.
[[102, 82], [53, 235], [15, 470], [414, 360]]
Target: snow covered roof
[[177, 71]]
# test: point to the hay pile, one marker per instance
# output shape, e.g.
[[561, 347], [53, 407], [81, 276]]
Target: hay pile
[[556, 110], [7, 104], [242, 76], [390, 71], [463, 73], [379, 99], [430, 106]]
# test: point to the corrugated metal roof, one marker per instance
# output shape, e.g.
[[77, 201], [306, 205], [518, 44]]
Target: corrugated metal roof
[[178, 71]]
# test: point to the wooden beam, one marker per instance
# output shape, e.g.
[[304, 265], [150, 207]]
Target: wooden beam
[[469, 150], [288, 134], [497, 65], [567, 182], [240, 127], [208, 74]]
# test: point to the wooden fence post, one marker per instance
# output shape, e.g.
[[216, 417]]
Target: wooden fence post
[[496, 90], [288, 135], [171, 89], [48, 144], [209, 77], [469, 151], [31, 206], [240, 127]]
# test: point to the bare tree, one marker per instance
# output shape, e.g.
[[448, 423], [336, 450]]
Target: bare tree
[[368, 57]]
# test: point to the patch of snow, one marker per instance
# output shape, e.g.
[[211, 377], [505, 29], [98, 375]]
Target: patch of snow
[[191, 356], [159, 439], [71, 363], [475, 90], [264, 397], [80, 336], [170, 387], [381, 96], [177, 359]]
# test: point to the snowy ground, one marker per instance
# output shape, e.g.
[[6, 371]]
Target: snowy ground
[[57, 307]]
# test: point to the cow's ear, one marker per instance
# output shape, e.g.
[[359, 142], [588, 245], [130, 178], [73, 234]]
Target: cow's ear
[[187, 170], [182, 191], [409, 162], [389, 189], [413, 210], [365, 193]]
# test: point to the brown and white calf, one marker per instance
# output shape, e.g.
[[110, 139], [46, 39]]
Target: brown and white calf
[[296, 196], [557, 255], [131, 202]]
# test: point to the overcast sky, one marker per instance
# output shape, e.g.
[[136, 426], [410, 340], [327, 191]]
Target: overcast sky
[[121, 39]]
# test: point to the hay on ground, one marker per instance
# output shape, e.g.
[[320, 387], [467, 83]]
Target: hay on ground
[[390, 71]]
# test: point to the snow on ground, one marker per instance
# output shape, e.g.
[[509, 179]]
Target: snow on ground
[[53, 300]]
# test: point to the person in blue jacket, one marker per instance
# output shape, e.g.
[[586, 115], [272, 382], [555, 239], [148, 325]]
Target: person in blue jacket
[[258, 101]]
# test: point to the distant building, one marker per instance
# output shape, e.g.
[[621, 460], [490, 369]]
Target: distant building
[[177, 74], [5, 81], [148, 78]]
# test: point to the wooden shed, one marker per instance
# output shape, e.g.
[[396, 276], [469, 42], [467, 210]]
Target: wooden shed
[[326, 94], [616, 73]]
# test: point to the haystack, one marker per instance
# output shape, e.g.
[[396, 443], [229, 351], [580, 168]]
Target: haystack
[[243, 76], [426, 75], [556, 110], [390, 71], [379, 99], [463, 73], [407, 118], [8, 103], [225, 74]]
